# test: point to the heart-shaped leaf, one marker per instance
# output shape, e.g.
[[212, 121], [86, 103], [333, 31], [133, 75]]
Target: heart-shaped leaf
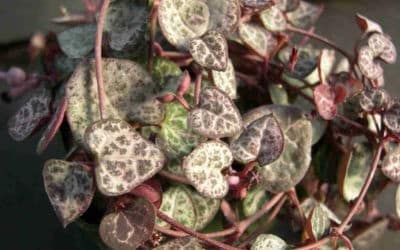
[[205, 209], [129, 92], [325, 97], [129, 228], [216, 116], [293, 163], [70, 188], [181, 244], [305, 15], [224, 15], [391, 117], [262, 140], [383, 47], [30, 116], [126, 24], [176, 138], [257, 38], [366, 63], [163, 70], [182, 20], [255, 3], [210, 51], [391, 164], [226, 80], [273, 19], [366, 25], [309, 204], [53, 126], [318, 223], [374, 99], [269, 242], [178, 204], [203, 168], [255, 198], [77, 42], [353, 170], [124, 159]]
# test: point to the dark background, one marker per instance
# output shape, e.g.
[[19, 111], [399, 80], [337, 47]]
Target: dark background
[[27, 220]]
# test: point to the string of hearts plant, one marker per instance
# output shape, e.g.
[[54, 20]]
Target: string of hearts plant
[[214, 124]]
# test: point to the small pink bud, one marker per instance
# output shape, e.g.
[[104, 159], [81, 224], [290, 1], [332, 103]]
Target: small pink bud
[[15, 76]]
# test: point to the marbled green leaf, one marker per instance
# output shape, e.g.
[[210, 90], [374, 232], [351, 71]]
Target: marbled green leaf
[[181, 244], [226, 80], [318, 223], [255, 198], [269, 242]]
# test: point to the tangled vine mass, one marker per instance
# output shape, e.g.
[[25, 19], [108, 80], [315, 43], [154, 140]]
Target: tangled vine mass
[[213, 124]]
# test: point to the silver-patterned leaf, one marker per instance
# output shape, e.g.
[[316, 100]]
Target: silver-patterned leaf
[[129, 92], [254, 200], [224, 15], [178, 204], [30, 116], [181, 244], [123, 158], [305, 15], [273, 19], [257, 38], [318, 223], [226, 80], [391, 164], [217, 116], [374, 99], [391, 117], [269, 242], [205, 209], [353, 170], [176, 138], [126, 24], [262, 140], [291, 166], [324, 99], [70, 188], [287, 5], [129, 228], [78, 41], [181, 21], [383, 47], [210, 51], [203, 168], [367, 25], [366, 63]]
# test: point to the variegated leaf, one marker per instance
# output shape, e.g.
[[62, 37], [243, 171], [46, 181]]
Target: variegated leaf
[[181, 244], [257, 38], [181, 21], [224, 15], [287, 5], [126, 24], [391, 164], [203, 168], [78, 41], [31, 115], [70, 188], [129, 92], [391, 117], [226, 80], [305, 15], [124, 159], [210, 51], [383, 47], [129, 228], [216, 116], [291, 166], [374, 99], [318, 223], [269, 242], [366, 63], [262, 140], [255, 198], [273, 19]]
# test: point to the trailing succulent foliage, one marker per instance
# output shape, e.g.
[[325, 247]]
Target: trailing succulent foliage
[[194, 124]]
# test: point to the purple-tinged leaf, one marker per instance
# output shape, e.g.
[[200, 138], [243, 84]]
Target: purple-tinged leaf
[[366, 25]]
